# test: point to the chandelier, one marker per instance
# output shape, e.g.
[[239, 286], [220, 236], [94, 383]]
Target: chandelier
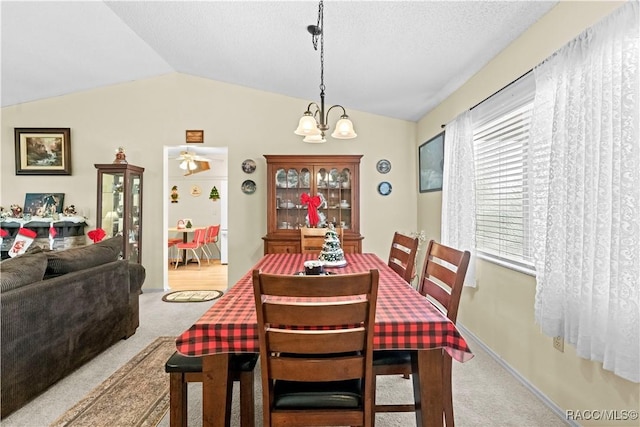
[[314, 122]]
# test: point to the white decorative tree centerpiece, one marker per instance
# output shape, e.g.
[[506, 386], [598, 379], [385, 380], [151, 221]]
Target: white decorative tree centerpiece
[[332, 254]]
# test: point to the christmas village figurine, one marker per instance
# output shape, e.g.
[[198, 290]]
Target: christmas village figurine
[[70, 210], [121, 157], [214, 195], [16, 211], [174, 194], [332, 254]]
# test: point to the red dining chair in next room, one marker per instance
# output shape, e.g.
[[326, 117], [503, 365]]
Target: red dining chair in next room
[[441, 283], [211, 237], [193, 246], [171, 244]]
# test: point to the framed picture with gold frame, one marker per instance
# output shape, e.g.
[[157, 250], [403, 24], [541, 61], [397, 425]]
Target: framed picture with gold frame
[[43, 151]]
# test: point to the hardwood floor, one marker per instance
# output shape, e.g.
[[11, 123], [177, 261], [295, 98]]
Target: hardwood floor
[[210, 276]]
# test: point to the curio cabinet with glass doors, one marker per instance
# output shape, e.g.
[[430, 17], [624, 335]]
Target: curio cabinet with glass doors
[[293, 179], [120, 206]]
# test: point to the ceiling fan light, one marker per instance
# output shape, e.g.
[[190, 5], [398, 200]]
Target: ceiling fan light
[[307, 125], [184, 165], [192, 165], [315, 139], [344, 129]]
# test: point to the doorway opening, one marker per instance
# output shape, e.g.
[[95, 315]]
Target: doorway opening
[[190, 175]]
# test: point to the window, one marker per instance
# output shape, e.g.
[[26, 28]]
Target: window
[[501, 137]]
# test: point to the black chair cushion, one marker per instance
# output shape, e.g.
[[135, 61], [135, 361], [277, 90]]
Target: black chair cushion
[[244, 362], [333, 394], [391, 357]]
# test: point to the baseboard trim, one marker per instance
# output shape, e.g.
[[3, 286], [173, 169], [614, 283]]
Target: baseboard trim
[[536, 392]]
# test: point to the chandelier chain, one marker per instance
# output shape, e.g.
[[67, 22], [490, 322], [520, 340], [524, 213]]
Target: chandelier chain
[[315, 45], [314, 122]]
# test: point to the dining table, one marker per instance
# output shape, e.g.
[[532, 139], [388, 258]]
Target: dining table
[[404, 320], [185, 237]]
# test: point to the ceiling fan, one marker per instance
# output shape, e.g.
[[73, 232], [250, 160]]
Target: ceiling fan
[[192, 163]]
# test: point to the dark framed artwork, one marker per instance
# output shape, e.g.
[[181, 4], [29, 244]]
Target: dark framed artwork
[[43, 151], [195, 136], [43, 204], [431, 162]]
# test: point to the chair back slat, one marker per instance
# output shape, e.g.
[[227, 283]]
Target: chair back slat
[[323, 315], [309, 369], [402, 255], [443, 275], [314, 286], [312, 342]]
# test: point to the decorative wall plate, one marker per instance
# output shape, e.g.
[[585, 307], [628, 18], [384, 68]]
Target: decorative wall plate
[[248, 166], [384, 188], [383, 166], [248, 187]]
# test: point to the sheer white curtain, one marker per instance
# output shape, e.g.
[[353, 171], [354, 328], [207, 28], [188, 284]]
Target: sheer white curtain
[[585, 178], [458, 228]]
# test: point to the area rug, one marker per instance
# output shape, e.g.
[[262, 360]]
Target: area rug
[[191, 296], [137, 394]]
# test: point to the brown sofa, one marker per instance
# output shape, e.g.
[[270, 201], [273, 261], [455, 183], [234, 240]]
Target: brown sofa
[[60, 309]]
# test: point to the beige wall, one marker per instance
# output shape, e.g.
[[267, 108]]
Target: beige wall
[[500, 310], [145, 116]]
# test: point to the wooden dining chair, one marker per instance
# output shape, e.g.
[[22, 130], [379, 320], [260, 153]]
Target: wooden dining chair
[[316, 346], [183, 370], [441, 283], [312, 239], [194, 245], [402, 256]]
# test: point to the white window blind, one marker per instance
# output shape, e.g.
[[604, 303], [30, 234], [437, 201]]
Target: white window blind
[[501, 139]]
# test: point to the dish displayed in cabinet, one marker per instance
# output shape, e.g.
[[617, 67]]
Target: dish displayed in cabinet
[[287, 204], [287, 179]]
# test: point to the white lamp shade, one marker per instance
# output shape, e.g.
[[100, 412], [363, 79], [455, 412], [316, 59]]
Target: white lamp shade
[[315, 139], [307, 126], [344, 130], [188, 164]]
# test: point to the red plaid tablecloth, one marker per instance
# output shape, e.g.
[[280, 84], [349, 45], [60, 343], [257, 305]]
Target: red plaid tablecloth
[[404, 318]]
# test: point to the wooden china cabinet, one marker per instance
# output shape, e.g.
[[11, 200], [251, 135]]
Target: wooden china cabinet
[[335, 178], [120, 206]]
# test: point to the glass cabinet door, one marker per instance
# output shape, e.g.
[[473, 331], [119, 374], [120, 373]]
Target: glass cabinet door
[[297, 187], [112, 204], [133, 217], [334, 187], [119, 210]]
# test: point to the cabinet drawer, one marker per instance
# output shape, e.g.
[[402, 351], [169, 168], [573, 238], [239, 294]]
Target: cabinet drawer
[[281, 247]]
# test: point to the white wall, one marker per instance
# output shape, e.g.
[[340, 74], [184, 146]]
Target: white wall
[[145, 116], [500, 310]]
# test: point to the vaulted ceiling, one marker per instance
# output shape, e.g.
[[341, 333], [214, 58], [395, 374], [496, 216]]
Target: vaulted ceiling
[[394, 58]]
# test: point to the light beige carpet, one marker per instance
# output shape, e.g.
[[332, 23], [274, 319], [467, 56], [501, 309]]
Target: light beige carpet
[[137, 394]]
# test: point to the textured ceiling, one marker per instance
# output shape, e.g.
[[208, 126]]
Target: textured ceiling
[[396, 58]]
